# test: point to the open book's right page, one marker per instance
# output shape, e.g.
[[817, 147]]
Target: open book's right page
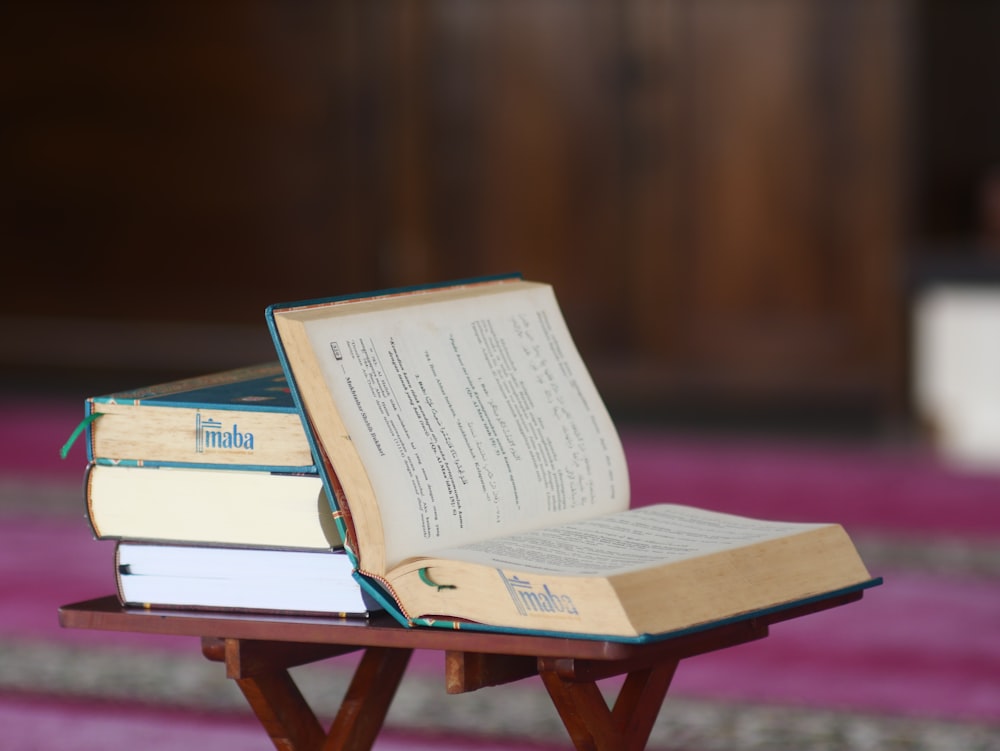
[[612, 544]]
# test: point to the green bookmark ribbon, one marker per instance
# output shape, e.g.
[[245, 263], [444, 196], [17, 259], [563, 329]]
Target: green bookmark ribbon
[[76, 433], [426, 579]]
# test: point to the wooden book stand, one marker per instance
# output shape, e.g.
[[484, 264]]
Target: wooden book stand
[[258, 651]]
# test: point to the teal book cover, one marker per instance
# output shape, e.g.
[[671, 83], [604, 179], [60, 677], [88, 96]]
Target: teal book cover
[[260, 387], [387, 603]]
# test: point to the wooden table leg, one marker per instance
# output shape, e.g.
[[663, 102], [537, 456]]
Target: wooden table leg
[[260, 669], [639, 703], [283, 711], [367, 700], [592, 726]]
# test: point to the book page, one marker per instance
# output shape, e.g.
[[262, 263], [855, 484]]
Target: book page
[[622, 542], [473, 417]]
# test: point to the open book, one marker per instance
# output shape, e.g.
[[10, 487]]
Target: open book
[[481, 482]]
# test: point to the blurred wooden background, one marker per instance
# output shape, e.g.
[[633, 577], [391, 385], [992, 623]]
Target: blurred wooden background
[[726, 194]]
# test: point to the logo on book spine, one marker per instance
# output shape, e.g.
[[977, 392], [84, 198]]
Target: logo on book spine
[[209, 435], [530, 597]]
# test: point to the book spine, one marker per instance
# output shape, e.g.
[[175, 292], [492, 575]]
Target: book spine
[[379, 591], [88, 417], [119, 590], [88, 478]]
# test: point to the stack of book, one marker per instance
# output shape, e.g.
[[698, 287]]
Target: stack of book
[[209, 487]]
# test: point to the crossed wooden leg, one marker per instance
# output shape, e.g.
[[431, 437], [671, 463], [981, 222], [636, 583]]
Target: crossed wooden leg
[[585, 713], [260, 669], [572, 686]]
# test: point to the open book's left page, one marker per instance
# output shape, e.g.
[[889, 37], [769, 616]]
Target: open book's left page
[[455, 416]]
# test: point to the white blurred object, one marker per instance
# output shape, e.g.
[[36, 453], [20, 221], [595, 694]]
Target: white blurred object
[[956, 361]]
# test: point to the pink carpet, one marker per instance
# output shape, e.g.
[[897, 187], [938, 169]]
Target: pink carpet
[[32, 433], [902, 492]]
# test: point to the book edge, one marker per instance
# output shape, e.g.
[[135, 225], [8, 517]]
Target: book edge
[[646, 637]]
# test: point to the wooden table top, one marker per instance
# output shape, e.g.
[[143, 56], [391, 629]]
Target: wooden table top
[[106, 613]]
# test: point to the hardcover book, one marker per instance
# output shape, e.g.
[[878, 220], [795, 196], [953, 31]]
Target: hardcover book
[[481, 482], [237, 507], [237, 418], [217, 578]]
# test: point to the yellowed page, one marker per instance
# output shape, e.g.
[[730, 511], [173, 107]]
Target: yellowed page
[[621, 542], [474, 416]]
